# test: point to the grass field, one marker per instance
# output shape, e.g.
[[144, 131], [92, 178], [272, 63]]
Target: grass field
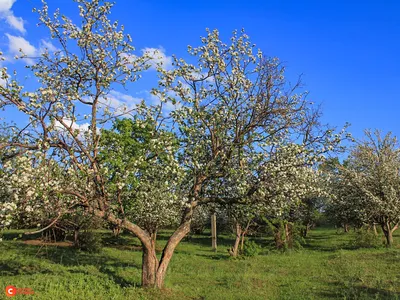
[[326, 268]]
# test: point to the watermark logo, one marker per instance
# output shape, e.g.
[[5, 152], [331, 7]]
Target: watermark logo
[[11, 291]]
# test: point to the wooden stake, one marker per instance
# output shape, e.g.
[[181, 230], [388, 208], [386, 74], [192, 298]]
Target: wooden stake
[[214, 231]]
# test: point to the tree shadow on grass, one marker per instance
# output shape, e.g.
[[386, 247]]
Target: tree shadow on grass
[[215, 256], [205, 240], [327, 248], [390, 256], [14, 268], [121, 281], [19, 235], [65, 256], [356, 291], [322, 241]]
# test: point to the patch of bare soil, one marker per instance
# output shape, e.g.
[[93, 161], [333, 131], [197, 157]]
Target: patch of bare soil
[[41, 243]]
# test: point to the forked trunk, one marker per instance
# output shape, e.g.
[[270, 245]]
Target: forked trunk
[[388, 232], [153, 270]]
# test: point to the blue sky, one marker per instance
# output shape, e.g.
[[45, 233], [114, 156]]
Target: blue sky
[[347, 51]]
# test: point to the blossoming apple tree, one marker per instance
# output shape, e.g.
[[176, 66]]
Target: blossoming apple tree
[[233, 107], [373, 172]]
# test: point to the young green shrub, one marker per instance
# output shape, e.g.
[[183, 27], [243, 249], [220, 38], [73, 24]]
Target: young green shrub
[[251, 248], [366, 239], [89, 241]]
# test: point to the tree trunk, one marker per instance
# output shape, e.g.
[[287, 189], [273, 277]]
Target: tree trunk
[[346, 228], [149, 266], [76, 237], [244, 233], [388, 232], [116, 231], [153, 271], [169, 248], [278, 236], [374, 228], [242, 242], [389, 238], [235, 249], [288, 236], [306, 230]]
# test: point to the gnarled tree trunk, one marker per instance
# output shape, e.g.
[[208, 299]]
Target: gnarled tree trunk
[[150, 262], [153, 270]]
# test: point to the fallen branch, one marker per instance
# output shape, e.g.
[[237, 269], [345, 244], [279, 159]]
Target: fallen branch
[[47, 227]]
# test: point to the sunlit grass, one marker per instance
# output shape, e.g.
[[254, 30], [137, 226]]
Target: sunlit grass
[[326, 268]]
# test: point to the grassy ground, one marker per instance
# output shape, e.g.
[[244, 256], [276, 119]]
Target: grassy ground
[[327, 268]]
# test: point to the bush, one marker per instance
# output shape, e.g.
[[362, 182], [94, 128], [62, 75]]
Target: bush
[[88, 241], [367, 239], [251, 248]]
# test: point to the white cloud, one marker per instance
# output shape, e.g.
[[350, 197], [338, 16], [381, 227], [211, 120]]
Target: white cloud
[[17, 43], [119, 102], [167, 106], [47, 45], [8, 15], [82, 128], [2, 81], [5, 5], [159, 58], [16, 22], [129, 58]]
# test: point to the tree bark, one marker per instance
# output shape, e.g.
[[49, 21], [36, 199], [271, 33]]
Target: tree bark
[[306, 230], [242, 242], [374, 228], [76, 236], [153, 270], [279, 241], [244, 233], [288, 235], [169, 248], [388, 232], [116, 231], [235, 249], [149, 266]]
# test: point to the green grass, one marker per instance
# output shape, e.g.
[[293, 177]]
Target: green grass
[[326, 268]]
